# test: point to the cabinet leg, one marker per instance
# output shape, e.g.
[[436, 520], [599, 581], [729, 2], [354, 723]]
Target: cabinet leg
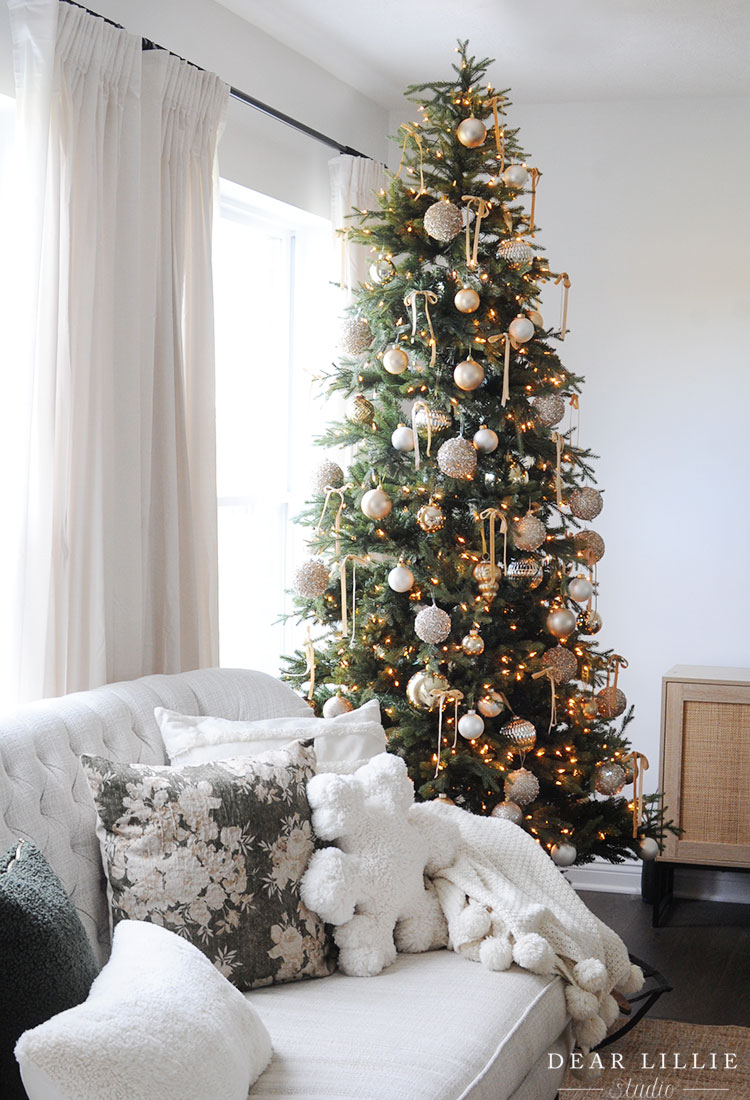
[[662, 891]]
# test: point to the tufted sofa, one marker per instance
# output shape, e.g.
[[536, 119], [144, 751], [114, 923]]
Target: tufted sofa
[[430, 1027]]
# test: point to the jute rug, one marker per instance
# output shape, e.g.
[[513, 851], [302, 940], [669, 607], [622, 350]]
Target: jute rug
[[669, 1060]]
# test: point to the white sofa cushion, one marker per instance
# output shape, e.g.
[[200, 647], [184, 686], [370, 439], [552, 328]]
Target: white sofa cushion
[[160, 1020], [342, 744]]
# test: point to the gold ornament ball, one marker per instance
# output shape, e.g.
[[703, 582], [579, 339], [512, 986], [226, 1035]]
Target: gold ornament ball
[[609, 778], [548, 409], [472, 132], [311, 579], [457, 458], [521, 329], [431, 517], [395, 360], [589, 543], [520, 733], [563, 855], [359, 410], [529, 533], [485, 440], [355, 336], [403, 438], [490, 705], [515, 252], [376, 504], [611, 702], [521, 787], [508, 811], [536, 318], [589, 622], [466, 300], [468, 375], [563, 663], [516, 176], [335, 706], [432, 625], [443, 221], [585, 503], [514, 473], [327, 475], [561, 622], [437, 419], [420, 687], [483, 576], [473, 643], [382, 271], [445, 799], [525, 571], [580, 588], [590, 708]]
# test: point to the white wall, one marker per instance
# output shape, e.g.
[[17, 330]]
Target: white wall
[[256, 151]]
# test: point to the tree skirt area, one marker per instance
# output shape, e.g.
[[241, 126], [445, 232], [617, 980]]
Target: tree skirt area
[[670, 1060]]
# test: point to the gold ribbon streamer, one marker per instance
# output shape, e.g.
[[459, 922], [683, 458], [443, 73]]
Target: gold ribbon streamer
[[499, 132], [310, 669], [412, 131], [414, 410], [550, 674], [482, 210], [559, 440], [454, 696], [493, 514], [357, 560], [410, 301], [565, 279], [575, 404], [535, 175], [330, 490], [640, 765], [506, 364]]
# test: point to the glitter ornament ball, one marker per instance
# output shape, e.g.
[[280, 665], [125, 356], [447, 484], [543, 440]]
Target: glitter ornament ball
[[563, 663], [472, 133], [473, 643], [443, 221], [611, 702], [311, 579], [327, 474], [508, 811], [521, 787], [431, 517], [457, 458], [355, 336], [589, 622], [491, 704], [525, 571], [564, 855], [580, 588], [648, 848], [515, 175], [395, 360], [376, 504], [335, 706], [485, 440], [483, 576], [589, 544], [529, 533], [466, 300], [521, 734], [468, 375], [438, 419], [400, 578], [359, 410], [382, 271], [432, 625], [561, 622], [470, 725], [515, 252], [585, 503], [548, 409], [403, 438], [609, 778], [420, 687], [521, 329]]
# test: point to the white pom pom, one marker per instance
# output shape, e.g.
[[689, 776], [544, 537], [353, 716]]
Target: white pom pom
[[581, 1005], [473, 924], [532, 952], [590, 1033], [609, 1010], [634, 982], [590, 974], [495, 953]]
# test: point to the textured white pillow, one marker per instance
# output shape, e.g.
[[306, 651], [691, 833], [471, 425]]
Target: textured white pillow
[[342, 744], [160, 1020]]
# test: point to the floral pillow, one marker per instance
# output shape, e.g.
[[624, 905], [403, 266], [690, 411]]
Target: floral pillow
[[215, 853]]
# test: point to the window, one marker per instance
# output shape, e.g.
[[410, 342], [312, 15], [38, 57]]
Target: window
[[274, 306]]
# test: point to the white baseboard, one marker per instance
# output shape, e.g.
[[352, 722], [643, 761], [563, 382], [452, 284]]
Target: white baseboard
[[698, 883], [611, 878]]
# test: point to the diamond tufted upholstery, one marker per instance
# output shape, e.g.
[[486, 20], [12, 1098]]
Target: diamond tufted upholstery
[[44, 795]]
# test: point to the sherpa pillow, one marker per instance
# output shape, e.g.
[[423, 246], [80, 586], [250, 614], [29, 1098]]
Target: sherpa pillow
[[159, 1021], [46, 961], [342, 744], [216, 853]]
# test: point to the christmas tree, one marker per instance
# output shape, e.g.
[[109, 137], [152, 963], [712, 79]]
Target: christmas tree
[[452, 576]]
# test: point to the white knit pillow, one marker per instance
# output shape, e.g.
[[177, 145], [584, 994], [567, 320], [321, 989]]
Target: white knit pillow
[[160, 1021], [342, 744]]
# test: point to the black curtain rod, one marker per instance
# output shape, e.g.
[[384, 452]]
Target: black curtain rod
[[242, 97]]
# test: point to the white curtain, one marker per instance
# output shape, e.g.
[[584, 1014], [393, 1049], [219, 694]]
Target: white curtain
[[355, 182], [117, 548]]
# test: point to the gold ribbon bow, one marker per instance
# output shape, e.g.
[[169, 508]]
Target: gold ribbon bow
[[564, 278], [414, 410], [550, 674], [617, 662], [535, 176], [443, 695], [640, 765], [412, 131], [310, 669], [559, 442], [506, 364], [410, 301], [493, 514], [482, 210], [499, 131], [330, 490]]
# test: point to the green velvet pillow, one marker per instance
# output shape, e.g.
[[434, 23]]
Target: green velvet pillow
[[46, 960]]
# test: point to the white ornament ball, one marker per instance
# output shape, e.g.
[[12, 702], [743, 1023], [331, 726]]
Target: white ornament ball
[[472, 133], [515, 175], [521, 786], [335, 706], [490, 705], [585, 503], [548, 409], [432, 625], [580, 588], [376, 504], [648, 848], [470, 725], [403, 438], [466, 300], [529, 533], [311, 579], [327, 475], [468, 375], [485, 440], [400, 578], [561, 622], [457, 458], [521, 329], [395, 360], [443, 221], [515, 251], [509, 811], [564, 855], [355, 336]]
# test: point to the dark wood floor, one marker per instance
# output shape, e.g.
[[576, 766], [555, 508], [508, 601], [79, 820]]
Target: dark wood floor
[[704, 953]]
